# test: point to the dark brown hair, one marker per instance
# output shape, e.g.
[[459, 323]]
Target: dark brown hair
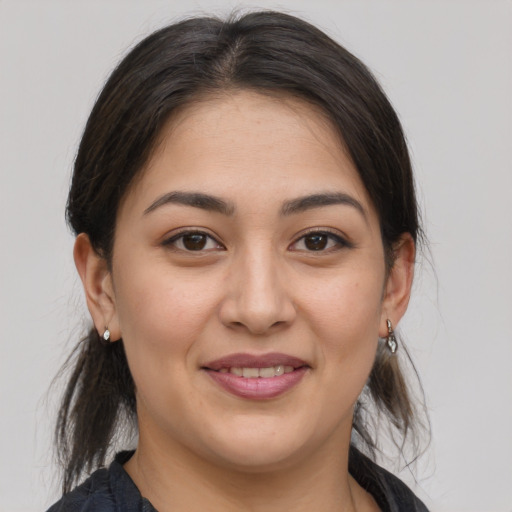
[[270, 52]]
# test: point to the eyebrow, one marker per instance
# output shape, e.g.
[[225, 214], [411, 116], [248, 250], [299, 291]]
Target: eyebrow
[[195, 199], [305, 203], [218, 205]]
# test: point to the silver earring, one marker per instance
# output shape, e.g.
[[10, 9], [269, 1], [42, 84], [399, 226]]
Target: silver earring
[[106, 334], [391, 338]]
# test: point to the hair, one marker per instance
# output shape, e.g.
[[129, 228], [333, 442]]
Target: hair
[[266, 52]]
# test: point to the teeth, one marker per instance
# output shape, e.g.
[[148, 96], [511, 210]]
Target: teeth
[[251, 373], [254, 373], [267, 372]]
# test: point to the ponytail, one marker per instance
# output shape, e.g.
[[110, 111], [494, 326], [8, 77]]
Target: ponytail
[[387, 396], [100, 394]]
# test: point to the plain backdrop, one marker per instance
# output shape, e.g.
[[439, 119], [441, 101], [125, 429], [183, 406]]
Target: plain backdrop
[[447, 67]]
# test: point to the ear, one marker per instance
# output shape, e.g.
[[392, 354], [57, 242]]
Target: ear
[[97, 282], [399, 283]]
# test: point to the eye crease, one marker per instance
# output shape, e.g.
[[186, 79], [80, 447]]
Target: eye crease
[[200, 241], [320, 241], [193, 241]]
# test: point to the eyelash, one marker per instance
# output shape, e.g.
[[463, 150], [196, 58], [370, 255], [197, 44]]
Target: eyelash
[[339, 241], [172, 242]]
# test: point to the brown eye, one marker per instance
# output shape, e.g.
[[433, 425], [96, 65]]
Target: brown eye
[[194, 241], [316, 241], [320, 241]]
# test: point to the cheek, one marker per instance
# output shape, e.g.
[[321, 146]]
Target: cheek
[[161, 314], [348, 305], [344, 314]]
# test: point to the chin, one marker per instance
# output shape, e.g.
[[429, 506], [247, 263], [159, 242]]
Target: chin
[[258, 457], [267, 447]]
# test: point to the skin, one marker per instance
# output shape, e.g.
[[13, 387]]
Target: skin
[[255, 287]]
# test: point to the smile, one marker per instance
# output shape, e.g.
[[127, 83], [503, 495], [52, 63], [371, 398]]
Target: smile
[[255, 373], [257, 377]]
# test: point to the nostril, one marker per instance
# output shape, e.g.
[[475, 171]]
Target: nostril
[[249, 308]]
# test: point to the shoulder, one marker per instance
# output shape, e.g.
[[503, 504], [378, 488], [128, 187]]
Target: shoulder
[[93, 494], [390, 493], [106, 490]]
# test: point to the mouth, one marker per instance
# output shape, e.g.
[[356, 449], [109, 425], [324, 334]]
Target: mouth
[[257, 377], [258, 373]]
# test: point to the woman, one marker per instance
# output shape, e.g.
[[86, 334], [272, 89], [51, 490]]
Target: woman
[[246, 233]]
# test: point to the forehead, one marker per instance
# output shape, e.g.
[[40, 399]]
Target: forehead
[[245, 144]]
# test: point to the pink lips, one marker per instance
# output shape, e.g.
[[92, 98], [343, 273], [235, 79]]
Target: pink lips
[[258, 387]]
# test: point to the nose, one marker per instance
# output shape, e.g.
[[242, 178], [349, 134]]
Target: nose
[[257, 298]]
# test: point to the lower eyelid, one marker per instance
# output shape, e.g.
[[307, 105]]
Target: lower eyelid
[[172, 241], [339, 240]]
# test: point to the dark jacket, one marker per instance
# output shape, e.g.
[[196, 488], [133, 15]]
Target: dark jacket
[[112, 490]]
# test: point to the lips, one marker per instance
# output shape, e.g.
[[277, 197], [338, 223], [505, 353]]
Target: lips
[[257, 377]]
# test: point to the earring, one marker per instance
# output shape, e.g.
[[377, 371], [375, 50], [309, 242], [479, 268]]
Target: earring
[[391, 338], [106, 334]]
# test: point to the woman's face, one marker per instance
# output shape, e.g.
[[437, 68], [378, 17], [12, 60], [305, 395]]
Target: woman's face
[[248, 284]]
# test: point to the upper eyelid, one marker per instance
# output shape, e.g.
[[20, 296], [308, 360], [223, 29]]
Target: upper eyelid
[[323, 230], [340, 237], [189, 230], [169, 239]]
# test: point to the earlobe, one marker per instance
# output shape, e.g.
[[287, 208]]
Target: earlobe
[[399, 283], [98, 287]]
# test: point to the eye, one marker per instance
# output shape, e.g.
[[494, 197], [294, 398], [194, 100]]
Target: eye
[[318, 241], [193, 241]]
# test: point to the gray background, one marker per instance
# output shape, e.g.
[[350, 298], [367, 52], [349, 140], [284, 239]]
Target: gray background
[[447, 67]]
